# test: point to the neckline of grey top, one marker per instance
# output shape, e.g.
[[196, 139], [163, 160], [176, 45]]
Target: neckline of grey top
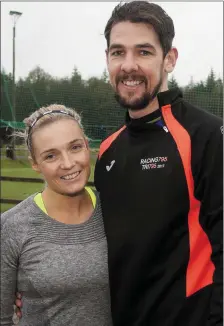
[[42, 227]]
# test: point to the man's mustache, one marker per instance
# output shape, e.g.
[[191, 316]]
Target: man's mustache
[[132, 77]]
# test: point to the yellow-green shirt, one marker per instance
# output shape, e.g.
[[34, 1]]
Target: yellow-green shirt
[[39, 200]]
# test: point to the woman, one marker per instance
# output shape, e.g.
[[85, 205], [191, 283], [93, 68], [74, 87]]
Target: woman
[[54, 250]]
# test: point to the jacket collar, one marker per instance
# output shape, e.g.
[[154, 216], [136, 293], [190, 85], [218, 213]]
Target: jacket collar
[[169, 97], [164, 98]]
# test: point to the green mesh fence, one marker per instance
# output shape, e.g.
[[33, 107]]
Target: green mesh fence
[[92, 98]]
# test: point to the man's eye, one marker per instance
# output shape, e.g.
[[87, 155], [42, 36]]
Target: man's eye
[[116, 53], [145, 53]]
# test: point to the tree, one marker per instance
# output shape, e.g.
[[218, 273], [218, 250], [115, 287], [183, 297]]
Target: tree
[[76, 77], [191, 84], [6, 96], [211, 81], [172, 83], [93, 98], [37, 75], [105, 76]]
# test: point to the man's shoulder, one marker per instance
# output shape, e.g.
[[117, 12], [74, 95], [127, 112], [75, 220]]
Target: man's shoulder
[[193, 117], [114, 133], [110, 139]]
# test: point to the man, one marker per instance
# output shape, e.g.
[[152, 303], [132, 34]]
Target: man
[[160, 178]]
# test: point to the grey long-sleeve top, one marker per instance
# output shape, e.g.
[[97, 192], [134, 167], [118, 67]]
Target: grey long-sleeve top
[[61, 270]]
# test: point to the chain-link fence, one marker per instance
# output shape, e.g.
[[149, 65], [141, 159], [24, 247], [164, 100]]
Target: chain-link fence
[[93, 99]]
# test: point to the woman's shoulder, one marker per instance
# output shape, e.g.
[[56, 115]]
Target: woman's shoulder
[[19, 213]]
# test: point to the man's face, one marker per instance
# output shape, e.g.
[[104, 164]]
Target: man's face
[[135, 63]]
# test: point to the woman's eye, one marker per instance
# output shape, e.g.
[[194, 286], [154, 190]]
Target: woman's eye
[[77, 147], [50, 157]]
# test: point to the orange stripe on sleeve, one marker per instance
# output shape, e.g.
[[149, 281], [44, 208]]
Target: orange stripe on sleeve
[[107, 142], [200, 268]]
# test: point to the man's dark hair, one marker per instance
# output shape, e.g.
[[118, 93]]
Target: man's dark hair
[[143, 12]]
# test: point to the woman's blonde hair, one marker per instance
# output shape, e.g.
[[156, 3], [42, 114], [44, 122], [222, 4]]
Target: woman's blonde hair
[[44, 116]]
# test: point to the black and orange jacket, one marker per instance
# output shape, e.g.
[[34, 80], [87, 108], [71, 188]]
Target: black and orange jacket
[[161, 188]]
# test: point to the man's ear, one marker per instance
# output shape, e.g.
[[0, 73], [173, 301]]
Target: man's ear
[[107, 53], [170, 60], [107, 60], [34, 165]]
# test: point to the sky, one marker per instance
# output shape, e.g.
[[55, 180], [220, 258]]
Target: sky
[[60, 35]]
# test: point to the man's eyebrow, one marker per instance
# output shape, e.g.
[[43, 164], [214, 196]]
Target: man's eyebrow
[[138, 46], [71, 142], [115, 46], [145, 45]]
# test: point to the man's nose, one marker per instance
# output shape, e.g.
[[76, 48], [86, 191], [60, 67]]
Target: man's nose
[[129, 64]]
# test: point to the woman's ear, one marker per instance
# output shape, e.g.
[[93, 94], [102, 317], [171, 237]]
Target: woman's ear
[[86, 142], [170, 60], [34, 164]]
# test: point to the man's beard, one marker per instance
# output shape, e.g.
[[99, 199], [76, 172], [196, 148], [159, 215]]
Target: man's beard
[[142, 102]]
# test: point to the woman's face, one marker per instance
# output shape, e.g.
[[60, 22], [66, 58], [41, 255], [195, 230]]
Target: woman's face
[[62, 156]]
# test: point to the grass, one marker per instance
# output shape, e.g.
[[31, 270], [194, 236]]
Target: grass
[[5, 207], [21, 190]]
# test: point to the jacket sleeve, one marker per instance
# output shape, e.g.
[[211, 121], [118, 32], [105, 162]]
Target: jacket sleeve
[[9, 262], [211, 217], [96, 175]]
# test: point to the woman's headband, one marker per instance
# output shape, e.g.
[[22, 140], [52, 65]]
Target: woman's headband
[[42, 115]]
